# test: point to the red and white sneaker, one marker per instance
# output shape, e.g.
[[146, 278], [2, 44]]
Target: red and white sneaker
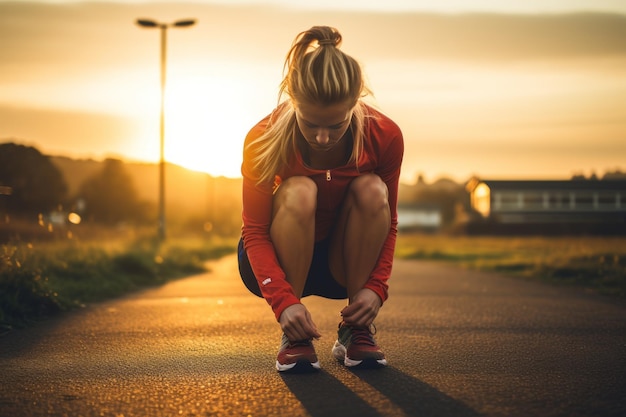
[[355, 346], [296, 356]]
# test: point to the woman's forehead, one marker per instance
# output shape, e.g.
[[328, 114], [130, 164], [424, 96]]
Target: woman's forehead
[[324, 114]]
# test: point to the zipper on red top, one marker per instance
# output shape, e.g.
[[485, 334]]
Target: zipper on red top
[[329, 188]]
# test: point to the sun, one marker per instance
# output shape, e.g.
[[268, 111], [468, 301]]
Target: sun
[[208, 113], [201, 128], [206, 124]]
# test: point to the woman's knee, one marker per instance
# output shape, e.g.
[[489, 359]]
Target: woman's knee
[[369, 191], [296, 195]]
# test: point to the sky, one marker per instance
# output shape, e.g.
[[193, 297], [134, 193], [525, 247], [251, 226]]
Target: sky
[[529, 89]]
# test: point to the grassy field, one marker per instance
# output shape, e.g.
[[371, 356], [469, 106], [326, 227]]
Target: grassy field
[[590, 262], [40, 279]]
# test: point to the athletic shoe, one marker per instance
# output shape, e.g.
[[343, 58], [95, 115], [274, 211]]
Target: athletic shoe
[[355, 346], [297, 356]]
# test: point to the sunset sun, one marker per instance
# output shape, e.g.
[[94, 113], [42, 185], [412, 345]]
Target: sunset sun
[[203, 129]]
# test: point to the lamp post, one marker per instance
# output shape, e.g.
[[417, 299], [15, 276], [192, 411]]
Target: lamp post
[[147, 23]]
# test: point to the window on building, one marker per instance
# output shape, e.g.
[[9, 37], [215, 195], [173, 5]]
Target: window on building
[[481, 199], [509, 201], [607, 200], [533, 201], [584, 201], [558, 201]]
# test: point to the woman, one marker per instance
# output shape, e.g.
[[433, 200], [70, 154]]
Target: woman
[[320, 186]]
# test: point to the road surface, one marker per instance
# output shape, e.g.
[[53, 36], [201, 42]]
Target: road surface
[[459, 343]]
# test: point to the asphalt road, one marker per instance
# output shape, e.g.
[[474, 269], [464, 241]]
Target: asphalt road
[[459, 343]]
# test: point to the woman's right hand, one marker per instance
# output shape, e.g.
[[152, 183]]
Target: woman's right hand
[[297, 324]]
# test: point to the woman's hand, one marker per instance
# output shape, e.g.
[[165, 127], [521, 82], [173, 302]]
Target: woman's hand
[[363, 308], [297, 324]]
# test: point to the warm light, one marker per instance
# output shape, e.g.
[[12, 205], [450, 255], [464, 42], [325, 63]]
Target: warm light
[[481, 199], [204, 131], [74, 218]]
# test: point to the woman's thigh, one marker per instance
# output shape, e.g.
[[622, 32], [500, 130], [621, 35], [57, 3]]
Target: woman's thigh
[[320, 280]]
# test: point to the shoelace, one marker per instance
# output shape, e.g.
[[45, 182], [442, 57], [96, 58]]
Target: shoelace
[[300, 343], [362, 336]]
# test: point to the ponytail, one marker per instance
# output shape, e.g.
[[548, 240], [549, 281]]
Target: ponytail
[[318, 73]]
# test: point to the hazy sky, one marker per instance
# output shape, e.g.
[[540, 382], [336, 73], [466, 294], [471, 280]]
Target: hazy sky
[[501, 89], [448, 6]]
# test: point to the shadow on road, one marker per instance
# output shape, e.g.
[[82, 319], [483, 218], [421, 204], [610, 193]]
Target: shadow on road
[[321, 394], [414, 397]]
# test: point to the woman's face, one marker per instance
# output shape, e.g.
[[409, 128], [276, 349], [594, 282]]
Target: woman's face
[[323, 126]]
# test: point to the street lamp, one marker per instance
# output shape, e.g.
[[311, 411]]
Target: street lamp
[[147, 23]]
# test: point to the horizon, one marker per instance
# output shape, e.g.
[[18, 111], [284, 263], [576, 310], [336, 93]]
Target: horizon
[[492, 89], [593, 175]]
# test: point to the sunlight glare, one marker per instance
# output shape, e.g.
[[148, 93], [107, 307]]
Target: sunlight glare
[[207, 116], [204, 128]]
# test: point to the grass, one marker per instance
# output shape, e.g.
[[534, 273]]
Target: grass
[[591, 262], [38, 280]]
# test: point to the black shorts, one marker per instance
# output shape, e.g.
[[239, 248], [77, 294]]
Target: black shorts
[[319, 281]]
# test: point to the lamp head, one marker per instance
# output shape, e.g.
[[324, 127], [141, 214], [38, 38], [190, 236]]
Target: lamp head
[[184, 23], [147, 23]]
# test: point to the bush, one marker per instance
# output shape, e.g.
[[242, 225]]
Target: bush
[[38, 281]]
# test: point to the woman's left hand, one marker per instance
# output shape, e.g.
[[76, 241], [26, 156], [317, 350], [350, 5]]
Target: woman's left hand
[[363, 308]]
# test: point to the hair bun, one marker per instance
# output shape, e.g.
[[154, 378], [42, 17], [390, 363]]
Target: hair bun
[[327, 41]]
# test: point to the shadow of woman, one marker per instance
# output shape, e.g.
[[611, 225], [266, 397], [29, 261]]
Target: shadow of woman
[[321, 394], [414, 397]]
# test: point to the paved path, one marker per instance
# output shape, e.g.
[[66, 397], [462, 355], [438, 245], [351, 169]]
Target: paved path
[[459, 343]]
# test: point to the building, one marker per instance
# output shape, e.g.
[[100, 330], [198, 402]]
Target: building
[[419, 217], [593, 206]]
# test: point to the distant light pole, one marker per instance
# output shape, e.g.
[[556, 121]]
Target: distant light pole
[[147, 23]]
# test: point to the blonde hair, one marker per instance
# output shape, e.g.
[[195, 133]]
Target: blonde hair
[[317, 73]]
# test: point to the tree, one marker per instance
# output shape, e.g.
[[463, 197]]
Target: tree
[[36, 185], [110, 196]]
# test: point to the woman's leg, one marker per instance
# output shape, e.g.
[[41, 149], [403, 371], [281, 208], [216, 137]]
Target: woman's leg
[[293, 235], [293, 228], [360, 232]]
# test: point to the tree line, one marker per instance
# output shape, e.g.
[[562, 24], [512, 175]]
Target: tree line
[[31, 185]]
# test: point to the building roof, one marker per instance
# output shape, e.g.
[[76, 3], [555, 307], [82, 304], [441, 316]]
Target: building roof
[[556, 185]]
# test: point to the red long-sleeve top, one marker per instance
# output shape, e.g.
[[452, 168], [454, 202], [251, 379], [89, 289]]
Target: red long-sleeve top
[[383, 149]]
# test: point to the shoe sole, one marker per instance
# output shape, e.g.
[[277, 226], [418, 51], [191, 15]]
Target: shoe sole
[[339, 352], [301, 366]]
